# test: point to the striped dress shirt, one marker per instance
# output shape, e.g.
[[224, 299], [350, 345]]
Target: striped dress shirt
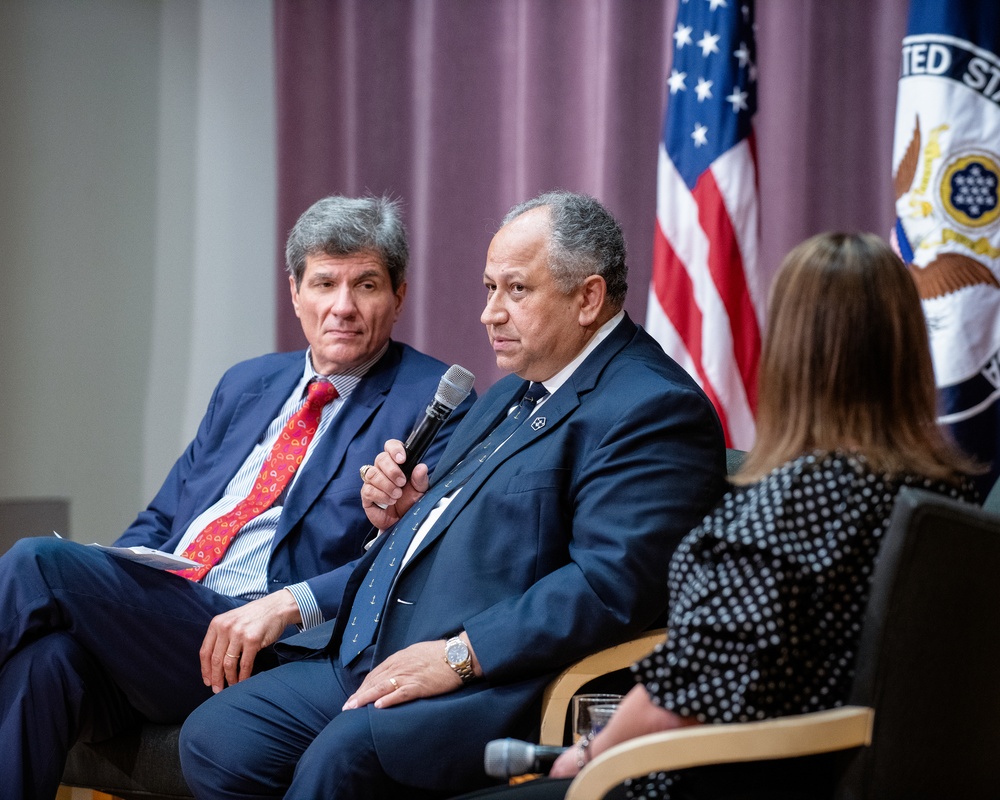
[[242, 571]]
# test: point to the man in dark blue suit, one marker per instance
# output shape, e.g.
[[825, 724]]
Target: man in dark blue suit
[[545, 535], [91, 643]]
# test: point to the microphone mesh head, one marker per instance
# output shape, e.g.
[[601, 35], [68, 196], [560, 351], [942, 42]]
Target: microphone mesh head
[[505, 758], [499, 755], [455, 386]]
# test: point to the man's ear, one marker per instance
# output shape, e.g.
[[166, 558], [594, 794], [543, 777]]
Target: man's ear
[[592, 294], [295, 294], [400, 294]]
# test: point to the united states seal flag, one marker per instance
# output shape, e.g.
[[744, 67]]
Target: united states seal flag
[[946, 162], [707, 296]]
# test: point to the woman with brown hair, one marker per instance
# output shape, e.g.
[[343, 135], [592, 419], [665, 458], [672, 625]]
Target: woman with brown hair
[[767, 596]]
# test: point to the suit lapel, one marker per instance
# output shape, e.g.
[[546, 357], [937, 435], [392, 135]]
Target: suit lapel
[[327, 460], [252, 414], [547, 419], [472, 431], [553, 413]]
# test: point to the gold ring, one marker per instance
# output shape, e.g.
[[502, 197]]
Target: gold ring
[[394, 684], [230, 655], [364, 470]]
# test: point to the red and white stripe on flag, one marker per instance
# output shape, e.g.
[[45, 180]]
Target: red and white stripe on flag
[[707, 296]]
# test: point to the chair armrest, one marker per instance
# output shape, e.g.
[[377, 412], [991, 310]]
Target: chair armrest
[[785, 737], [557, 695]]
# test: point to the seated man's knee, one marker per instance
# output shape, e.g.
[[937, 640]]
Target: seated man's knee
[[32, 547], [38, 552], [205, 756], [196, 730], [259, 760]]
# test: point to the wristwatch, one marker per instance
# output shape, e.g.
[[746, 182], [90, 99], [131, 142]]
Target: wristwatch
[[456, 653]]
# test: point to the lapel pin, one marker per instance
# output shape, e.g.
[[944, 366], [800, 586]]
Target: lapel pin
[[537, 423]]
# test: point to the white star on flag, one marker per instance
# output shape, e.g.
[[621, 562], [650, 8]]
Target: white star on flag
[[699, 134], [739, 101], [743, 54], [703, 89], [714, 4], [682, 35], [708, 43], [676, 81]]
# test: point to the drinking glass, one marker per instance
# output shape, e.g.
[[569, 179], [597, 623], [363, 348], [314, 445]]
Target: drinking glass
[[591, 712]]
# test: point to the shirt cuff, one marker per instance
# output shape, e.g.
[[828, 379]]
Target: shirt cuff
[[308, 607]]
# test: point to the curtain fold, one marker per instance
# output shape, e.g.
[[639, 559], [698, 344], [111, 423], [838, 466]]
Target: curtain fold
[[462, 109]]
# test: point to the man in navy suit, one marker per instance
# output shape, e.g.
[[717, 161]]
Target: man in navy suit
[[91, 643], [544, 535]]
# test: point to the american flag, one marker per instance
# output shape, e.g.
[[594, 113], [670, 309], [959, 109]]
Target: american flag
[[706, 297]]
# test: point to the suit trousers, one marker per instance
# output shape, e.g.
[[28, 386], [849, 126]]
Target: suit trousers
[[295, 742], [89, 645]]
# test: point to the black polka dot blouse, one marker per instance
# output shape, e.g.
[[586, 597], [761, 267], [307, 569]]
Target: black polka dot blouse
[[767, 596]]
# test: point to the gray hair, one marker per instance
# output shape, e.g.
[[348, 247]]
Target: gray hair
[[585, 240], [343, 226]]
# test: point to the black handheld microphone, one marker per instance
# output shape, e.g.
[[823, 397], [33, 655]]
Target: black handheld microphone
[[454, 387], [505, 758]]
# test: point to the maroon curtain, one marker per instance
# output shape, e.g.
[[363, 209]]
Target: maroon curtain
[[462, 109]]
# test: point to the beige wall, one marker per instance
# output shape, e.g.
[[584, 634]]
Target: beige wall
[[137, 246]]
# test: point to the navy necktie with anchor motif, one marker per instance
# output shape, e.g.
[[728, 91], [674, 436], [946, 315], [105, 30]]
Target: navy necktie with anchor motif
[[369, 602]]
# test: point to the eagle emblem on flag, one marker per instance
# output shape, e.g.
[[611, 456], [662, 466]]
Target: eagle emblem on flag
[[963, 197]]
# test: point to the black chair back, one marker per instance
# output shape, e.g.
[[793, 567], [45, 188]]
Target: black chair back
[[927, 662]]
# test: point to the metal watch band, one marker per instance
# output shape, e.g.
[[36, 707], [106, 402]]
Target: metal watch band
[[464, 669]]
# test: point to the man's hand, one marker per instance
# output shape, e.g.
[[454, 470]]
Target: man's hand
[[419, 670], [385, 485], [234, 638]]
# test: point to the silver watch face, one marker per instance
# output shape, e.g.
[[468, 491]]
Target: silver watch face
[[457, 652]]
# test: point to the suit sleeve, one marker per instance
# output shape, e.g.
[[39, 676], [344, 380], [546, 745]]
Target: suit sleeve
[[653, 469], [328, 588]]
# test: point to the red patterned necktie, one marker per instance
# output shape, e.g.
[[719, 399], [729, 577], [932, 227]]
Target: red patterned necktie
[[286, 454]]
